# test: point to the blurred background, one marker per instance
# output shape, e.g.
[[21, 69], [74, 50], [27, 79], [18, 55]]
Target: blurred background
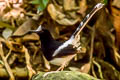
[[21, 57]]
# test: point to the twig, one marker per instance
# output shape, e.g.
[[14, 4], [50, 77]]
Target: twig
[[29, 67], [8, 3], [89, 27], [46, 63], [99, 69], [93, 72], [8, 54], [92, 43], [12, 21], [18, 72], [6, 64]]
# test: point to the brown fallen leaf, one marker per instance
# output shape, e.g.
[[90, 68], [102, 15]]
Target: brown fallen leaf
[[26, 26], [116, 3], [66, 13], [83, 7], [116, 23], [14, 13], [59, 16]]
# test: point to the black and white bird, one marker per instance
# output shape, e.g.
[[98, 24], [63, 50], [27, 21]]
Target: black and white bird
[[60, 53]]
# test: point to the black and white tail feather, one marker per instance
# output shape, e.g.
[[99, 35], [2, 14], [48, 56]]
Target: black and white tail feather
[[75, 38]]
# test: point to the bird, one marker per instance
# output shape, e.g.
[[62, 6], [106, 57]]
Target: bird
[[61, 53]]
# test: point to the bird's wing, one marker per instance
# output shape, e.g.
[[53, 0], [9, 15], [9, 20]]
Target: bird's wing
[[68, 47], [66, 51]]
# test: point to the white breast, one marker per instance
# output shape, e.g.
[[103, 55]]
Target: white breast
[[62, 60]]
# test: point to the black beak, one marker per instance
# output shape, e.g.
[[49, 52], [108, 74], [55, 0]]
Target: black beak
[[38, 30]]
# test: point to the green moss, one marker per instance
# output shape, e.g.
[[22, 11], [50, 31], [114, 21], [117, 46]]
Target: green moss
[[64, 75]]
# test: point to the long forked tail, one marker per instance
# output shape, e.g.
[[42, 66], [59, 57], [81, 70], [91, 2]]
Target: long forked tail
[[87, 18], [78, 30]]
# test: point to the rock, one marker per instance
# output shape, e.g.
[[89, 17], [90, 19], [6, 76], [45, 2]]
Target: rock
[[63, 75]]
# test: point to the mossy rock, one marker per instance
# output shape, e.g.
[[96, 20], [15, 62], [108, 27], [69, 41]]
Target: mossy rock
[[63, 75]]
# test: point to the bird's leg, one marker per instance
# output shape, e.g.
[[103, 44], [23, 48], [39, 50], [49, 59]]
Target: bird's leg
[[62, 66]]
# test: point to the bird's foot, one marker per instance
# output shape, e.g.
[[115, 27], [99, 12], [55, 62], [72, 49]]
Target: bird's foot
[[60, 68]]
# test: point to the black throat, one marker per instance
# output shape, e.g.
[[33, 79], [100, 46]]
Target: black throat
[[48, 44], [45, 37]]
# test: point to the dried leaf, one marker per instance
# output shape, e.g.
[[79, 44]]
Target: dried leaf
[[116, 3], [14, 13], [60, 17], [6, 33], [26, 26]]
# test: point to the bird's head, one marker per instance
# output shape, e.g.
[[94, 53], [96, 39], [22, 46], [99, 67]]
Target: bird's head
[[42, 32]]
